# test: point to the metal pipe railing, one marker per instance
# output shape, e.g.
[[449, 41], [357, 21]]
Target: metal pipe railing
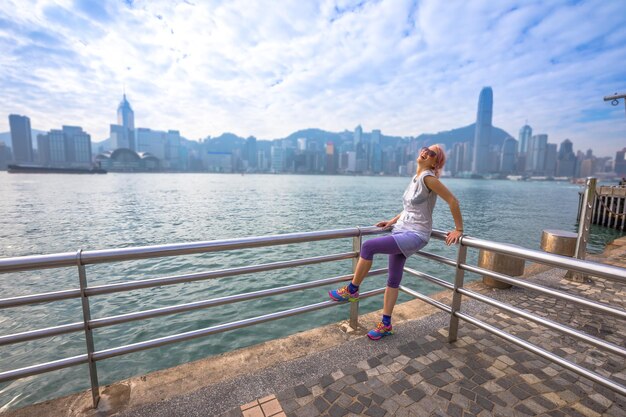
[[564, 262], [595, 305], [26, 263], [82, 258]]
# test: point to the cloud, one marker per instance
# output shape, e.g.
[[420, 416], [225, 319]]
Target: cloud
[[252, 68]]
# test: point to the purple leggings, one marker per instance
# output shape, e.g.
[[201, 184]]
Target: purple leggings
[[388, 246]]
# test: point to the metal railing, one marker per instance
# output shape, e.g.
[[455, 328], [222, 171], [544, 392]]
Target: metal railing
[[87, 325]]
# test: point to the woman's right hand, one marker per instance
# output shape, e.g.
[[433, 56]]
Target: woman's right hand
[[385, 224]]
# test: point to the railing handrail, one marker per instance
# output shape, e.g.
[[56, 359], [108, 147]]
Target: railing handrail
[[81, 258], [68, 259]]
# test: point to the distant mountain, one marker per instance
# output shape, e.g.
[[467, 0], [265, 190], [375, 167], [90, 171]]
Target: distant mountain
[[461, 134], [227, 142]]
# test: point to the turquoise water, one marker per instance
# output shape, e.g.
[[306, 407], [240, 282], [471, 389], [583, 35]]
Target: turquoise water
[[42, 214]]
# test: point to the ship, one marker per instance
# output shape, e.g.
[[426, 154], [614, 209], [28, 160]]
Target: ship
[[37, 169]]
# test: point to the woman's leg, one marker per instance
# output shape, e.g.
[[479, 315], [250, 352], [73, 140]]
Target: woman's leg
[[361, 270], [396, 269], [384, 244]]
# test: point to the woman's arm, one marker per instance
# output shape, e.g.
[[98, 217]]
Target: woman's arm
[[435, 185], [388, 223]]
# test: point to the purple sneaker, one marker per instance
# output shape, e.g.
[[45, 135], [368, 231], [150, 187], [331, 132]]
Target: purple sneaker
[[342, 294], [380, 331]]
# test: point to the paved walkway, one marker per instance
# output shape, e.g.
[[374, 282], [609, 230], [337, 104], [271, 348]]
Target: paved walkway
[[480, 374]]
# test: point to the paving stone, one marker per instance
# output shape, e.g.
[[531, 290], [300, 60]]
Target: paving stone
[[484, 402], [331, 395], [356, 408], [336, 411], [524, 410], [364, 400], [444, 394], [403, 400], [343, 401], [326, 380], [410, 370], [360, 376], [415, 394], [390, 405], [454, 410], [373, 362], [301, 391], [350, 391], [375, 411], [520, 393], [467, 393], [377, 398], [308, 410], [320, 404]]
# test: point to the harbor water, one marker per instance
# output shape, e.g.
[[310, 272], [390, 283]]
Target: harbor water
[[51, 213]]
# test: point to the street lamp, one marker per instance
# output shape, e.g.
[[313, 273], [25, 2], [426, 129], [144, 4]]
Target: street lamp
[[615, 99]]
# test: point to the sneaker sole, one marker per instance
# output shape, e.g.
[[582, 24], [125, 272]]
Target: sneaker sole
[[352, 300], [379, 337]]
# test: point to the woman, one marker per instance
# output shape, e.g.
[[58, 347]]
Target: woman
[[411, 231]]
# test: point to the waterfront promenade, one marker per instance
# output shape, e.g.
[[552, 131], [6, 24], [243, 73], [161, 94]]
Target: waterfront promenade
[[328, 371]]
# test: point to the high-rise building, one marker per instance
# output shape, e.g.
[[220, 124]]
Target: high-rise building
[[5, 155], [358, 136], [250, 152], [125, 114], [69, 146], [566, 160], [525, 133], [123, 133], [21, 138], [331, 164], [536, 155], [507, 156], [620, 162], [551, 160], [482, 135]]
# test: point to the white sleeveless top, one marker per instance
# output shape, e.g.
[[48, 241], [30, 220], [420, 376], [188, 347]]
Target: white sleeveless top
[[419, 203]]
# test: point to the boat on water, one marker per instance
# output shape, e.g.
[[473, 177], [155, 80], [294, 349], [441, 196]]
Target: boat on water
[[36, 169]]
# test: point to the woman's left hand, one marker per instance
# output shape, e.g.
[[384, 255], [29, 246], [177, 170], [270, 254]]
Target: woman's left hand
[[453, 237]]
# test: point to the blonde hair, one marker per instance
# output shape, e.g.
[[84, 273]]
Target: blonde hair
[[440, 159]]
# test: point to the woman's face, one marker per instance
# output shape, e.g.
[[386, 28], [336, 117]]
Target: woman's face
[[427, 156]]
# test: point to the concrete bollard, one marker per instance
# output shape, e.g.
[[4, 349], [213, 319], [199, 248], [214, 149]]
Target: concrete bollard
[[559, 242], [497, 262]]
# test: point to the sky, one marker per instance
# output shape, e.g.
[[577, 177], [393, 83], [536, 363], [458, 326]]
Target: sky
[[269, 68]]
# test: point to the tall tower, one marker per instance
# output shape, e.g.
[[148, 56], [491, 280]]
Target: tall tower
[[21, 138], [125, 114], [525, 134], [482, 136], [123, 133]]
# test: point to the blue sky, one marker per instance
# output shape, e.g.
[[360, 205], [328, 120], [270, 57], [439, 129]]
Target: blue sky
[[268, 68]]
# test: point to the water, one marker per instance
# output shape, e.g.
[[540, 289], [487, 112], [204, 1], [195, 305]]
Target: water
[[42, 214]]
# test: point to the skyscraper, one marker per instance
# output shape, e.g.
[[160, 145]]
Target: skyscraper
[[507, 156], [536, 159], [125, 114], [525, 133], [123, 133], [566, 160], [482, 136], [620, 162], [21, 138]]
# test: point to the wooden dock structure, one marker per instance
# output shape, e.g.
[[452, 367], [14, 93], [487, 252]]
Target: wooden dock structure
[[609, 208]]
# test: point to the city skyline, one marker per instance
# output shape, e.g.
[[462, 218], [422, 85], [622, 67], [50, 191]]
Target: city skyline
[[256, 71]]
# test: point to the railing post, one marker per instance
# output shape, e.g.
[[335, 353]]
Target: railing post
[[93, 372], [456, 296], [354, 307], [585, 218]]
